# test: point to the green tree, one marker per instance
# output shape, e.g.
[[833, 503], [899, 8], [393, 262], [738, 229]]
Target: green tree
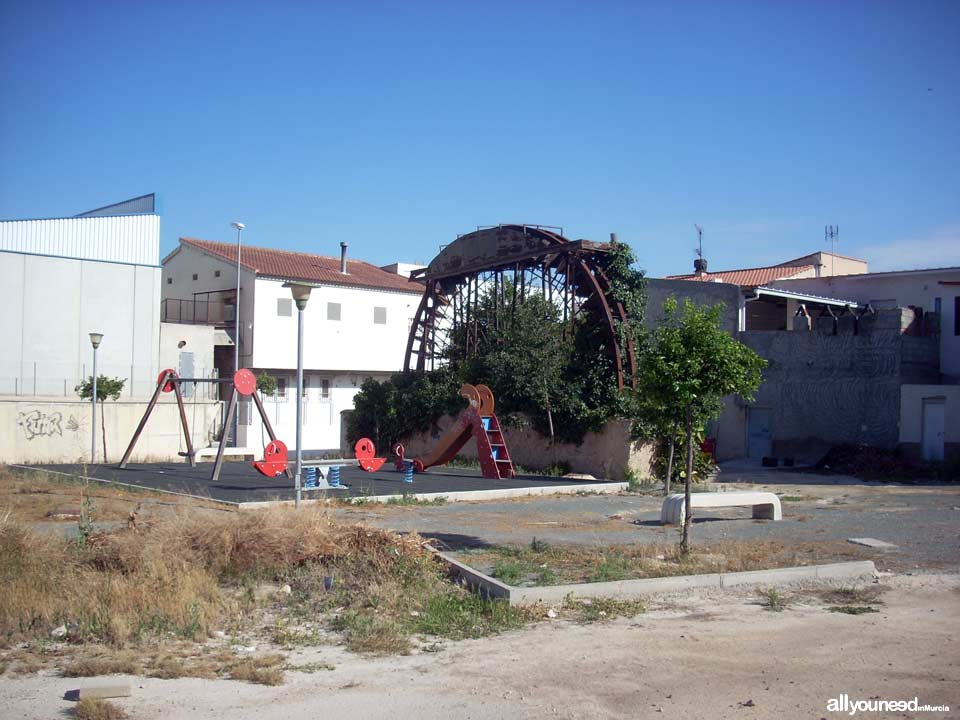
[[266, 384], [106, 388], [689, 364]]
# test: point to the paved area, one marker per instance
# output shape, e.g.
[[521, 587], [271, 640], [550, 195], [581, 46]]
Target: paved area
[[923, 522], [239, 482]]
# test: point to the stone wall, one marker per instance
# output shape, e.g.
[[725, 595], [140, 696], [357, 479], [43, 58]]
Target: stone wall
[[825, 389], [606, 454], [41, 431]]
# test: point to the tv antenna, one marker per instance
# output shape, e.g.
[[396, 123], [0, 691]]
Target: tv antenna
[[699, 265], [831, 234]]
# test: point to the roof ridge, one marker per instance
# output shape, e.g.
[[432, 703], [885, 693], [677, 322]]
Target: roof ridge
[[749, 269], [276, 250]]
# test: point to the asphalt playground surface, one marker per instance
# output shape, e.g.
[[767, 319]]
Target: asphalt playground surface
[[239, 482]]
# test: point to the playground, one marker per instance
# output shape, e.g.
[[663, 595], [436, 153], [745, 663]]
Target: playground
[[239, 483]]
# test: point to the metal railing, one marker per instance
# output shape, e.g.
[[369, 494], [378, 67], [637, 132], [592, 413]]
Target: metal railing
[[197, 312]]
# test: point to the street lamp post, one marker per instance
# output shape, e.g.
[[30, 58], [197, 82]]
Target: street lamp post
[[95, 340], [239, 226], [301, 293]]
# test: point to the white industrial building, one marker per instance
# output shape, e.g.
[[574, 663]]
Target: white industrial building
[[355, 327], [64, 278]]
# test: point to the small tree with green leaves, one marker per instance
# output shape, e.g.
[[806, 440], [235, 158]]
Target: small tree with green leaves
[[688, 366], [266, 384], [106, 388]]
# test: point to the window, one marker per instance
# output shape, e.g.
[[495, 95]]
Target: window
[[936, 305], [956, 315], [195, 276], [281, 393], [379, 316], [169, 282], [324, 389], [333, 311], [216, 273], [284, 307]]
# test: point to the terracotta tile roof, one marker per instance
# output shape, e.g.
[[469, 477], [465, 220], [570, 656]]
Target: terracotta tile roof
[[748, 277], [289, 265]]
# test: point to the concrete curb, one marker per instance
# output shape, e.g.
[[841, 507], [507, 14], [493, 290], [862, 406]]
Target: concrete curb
[[634, 589], [606, 488]]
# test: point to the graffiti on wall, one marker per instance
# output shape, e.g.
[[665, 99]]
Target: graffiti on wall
[[37, 423]]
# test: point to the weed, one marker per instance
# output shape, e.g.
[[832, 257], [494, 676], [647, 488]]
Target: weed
[[602, 609], [97, 709], [509, 571], [260, 669], [853, 609], [125, 663], [408, 500], [773, 600], [610, 567], [854, 595], [287, 637], [310, 667], [456, 614]]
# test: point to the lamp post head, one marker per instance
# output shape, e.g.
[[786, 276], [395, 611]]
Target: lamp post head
[[237, 225], [95, 339], [300, 292]]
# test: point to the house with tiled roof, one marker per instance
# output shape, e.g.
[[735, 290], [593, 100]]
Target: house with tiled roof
[[355, 326], [765, 308]]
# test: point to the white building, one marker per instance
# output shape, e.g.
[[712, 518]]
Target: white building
[[64, 278], [355, 327]]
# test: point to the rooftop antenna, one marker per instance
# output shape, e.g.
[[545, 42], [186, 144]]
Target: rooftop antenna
[[699, 265], [831, 234]]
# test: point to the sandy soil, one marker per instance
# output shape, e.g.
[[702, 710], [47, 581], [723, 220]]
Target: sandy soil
[[703, 655]]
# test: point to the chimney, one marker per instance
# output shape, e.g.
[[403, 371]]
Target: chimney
[[613, 238], [700, 267], [343, 258]]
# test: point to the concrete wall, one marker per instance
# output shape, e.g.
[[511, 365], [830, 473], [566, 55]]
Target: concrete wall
[[901, 289], [702, 293], [825, 389], [911, 418], [39, 431], [605, 455], [198, 341], [51, 304]]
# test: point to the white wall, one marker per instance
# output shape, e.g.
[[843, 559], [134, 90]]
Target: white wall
[[52, 304], [918, 288], [178, 284], [42, 431], [911, 411], [353, 343], [321, 416]]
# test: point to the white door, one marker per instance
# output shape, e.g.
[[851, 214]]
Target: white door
[[933, 425]]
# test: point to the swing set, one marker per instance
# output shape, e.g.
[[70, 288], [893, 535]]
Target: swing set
[[275, 457]]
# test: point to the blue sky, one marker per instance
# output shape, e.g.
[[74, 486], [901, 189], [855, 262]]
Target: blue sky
[[396, 126]]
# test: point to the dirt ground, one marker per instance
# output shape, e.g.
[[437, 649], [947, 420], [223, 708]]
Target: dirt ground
[[702, 655]]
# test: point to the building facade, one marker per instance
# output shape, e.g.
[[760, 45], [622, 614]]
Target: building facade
[[64, 278], [355, 327]]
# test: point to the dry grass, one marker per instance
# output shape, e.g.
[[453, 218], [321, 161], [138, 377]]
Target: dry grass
[[110, 663], [260, 669], [97, 709]]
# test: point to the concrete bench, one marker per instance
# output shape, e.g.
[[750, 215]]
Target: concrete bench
[[766, 505]]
